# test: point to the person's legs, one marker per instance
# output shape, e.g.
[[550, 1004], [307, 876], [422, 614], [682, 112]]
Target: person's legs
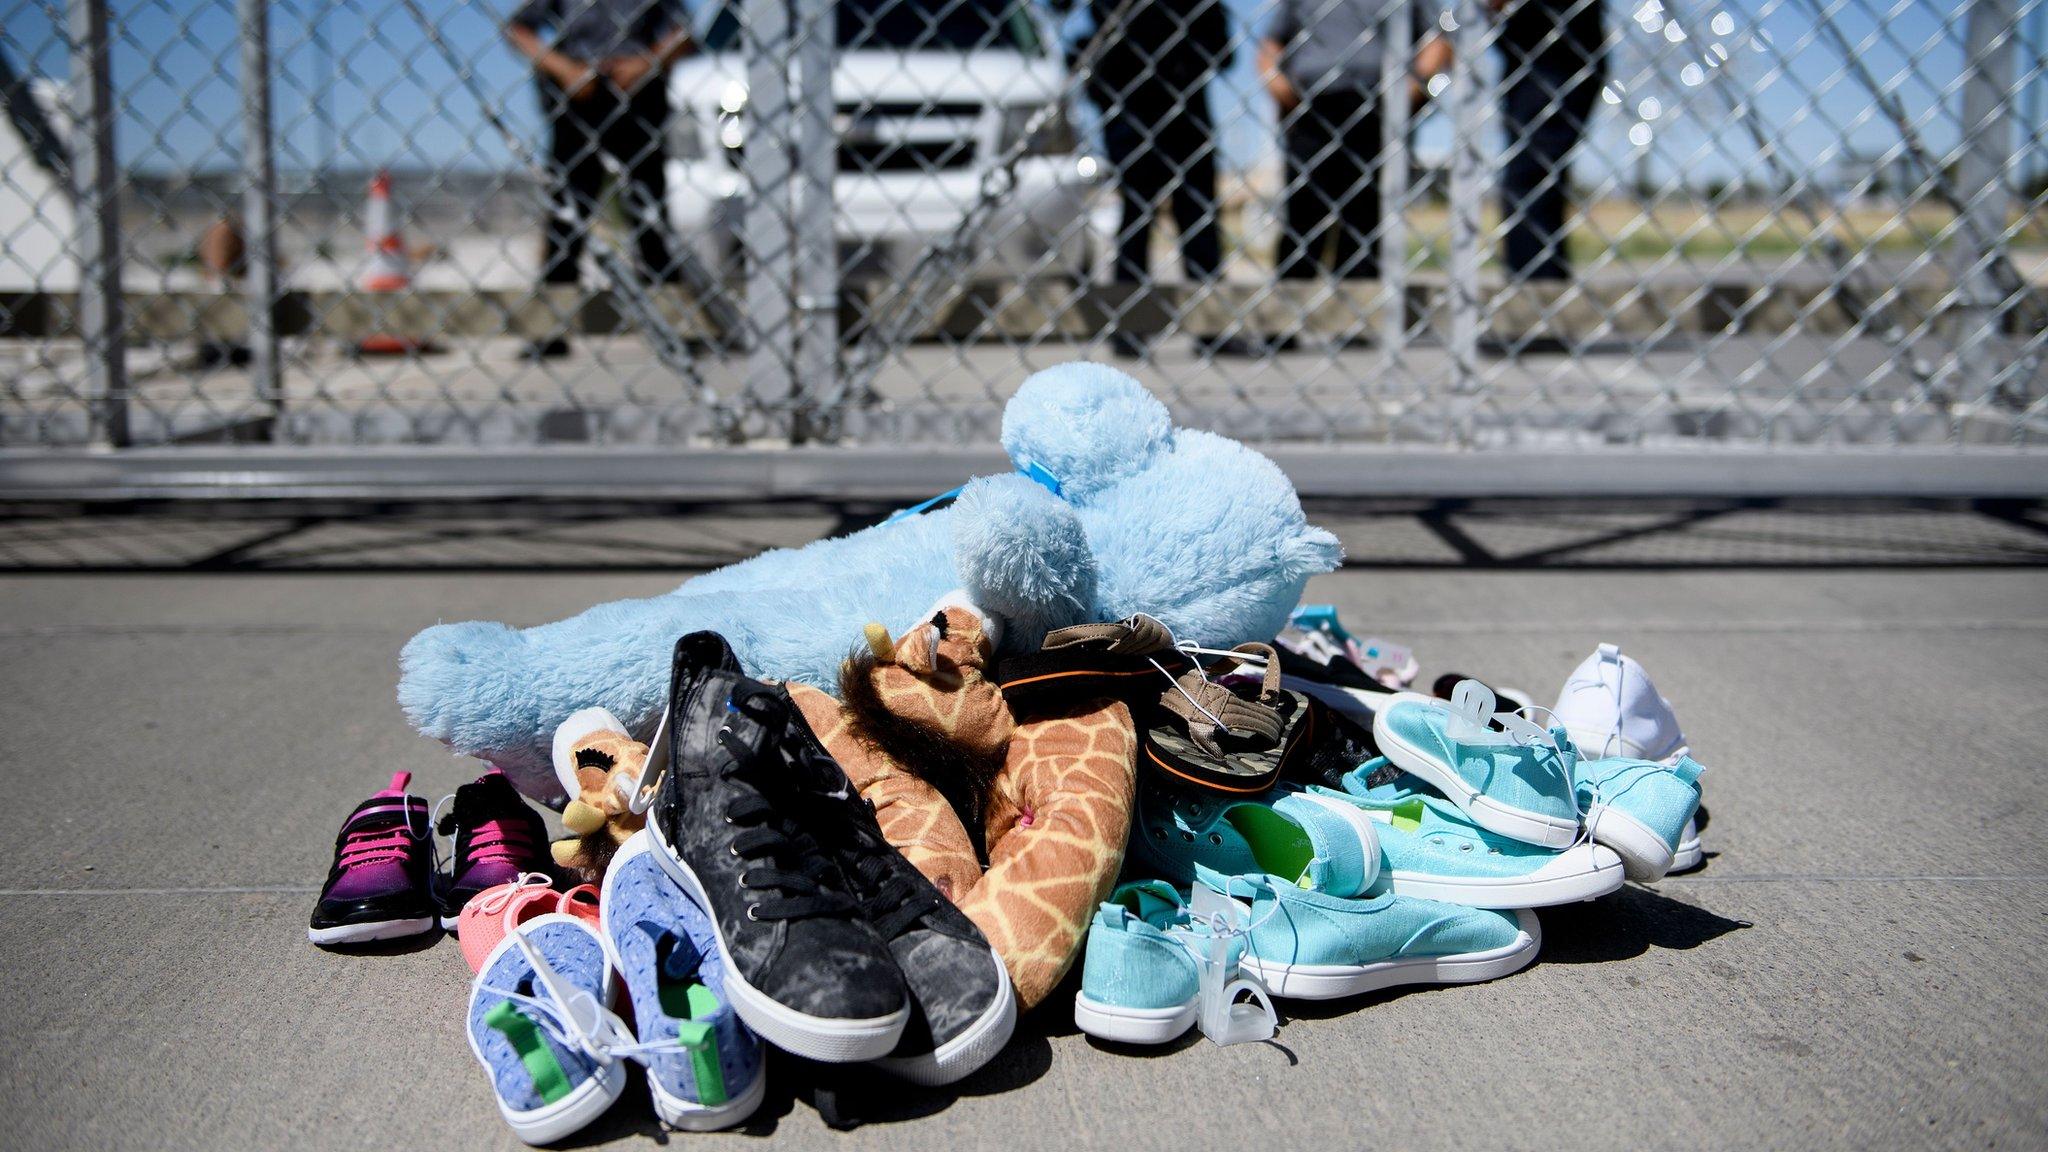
[[1128, 137], [1190, 151], [1306, 227], [1545, 121], [1349, 178], [575, 178], [634, 139]]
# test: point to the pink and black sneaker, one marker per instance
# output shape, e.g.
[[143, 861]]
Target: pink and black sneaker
[[498, 838], [378, 887]]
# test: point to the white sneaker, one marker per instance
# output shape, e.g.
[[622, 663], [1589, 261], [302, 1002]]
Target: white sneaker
[[1611, 708]]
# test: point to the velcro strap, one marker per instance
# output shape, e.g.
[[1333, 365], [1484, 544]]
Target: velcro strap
[[1139, 634], [1202, 704]]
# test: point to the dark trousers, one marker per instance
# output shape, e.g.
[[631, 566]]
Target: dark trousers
[[580, 133], [1333, 191], [1546, 115], [1163, 147]]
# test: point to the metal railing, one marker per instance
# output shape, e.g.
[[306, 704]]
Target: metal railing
[[1557, 231]]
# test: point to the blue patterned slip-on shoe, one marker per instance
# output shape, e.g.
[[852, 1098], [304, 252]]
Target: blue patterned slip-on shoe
[[1641, 809], [1313, 946], [704, 1066], [1430, 850], [1309, 840], [1506, 774], [1140, 980], [543, 1037]]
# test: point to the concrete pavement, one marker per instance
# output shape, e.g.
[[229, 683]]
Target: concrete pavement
[[1860, 963]]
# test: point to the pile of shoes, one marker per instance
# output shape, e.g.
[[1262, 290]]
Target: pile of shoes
[[1416, 857], [1079, 724], [1300, 824]]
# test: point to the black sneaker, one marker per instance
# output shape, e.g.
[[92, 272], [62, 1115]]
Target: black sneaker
[[498, 839], [962, 1006], [377, 887], [803, 967]]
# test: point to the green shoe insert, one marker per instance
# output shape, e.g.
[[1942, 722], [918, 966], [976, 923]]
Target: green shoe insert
[[1277, 843], [686, 999], [525, 1037]]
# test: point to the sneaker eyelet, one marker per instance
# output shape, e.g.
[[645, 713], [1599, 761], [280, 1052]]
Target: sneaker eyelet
[[1159, 833], [750, 913], [734, 849], [1464, 847], [1188, 836], [1215, 839]]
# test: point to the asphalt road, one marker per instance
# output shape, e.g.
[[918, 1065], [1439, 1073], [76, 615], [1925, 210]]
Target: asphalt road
[[1861, 963]]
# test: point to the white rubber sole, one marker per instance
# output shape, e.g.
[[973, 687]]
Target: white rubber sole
[[1334, 981], [967, 1053], [572, 1113], [824, 1039], [1490, 814], [692, 1117], [1643, 853], [1567, 880], [1689, 855], [372, 931], [584, 1103], [1134, 1025]]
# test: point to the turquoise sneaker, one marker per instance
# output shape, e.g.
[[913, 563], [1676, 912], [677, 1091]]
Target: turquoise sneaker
[[1641, 809], [1314, 946], [1431, 851], [1308, 840], [1140, 980], [1506, 774]]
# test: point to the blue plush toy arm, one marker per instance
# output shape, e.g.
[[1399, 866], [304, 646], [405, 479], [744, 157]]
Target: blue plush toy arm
[[1021, 553]]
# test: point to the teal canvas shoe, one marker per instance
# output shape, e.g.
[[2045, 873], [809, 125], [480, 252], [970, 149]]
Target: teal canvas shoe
[[1506, 773], [1314, 946], [1141, 973], [1308, 840], [1430, 850], [1641, 809]]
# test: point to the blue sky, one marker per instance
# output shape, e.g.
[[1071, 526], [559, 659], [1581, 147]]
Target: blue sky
[[394, 100]]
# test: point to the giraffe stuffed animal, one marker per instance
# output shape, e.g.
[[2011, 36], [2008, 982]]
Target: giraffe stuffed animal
[[598, 764], [924, 735]]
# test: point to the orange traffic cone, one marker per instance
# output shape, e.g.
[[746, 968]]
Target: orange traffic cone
[[388, 269]]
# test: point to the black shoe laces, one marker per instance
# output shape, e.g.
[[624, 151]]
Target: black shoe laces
[[782, 857], [890, 899]]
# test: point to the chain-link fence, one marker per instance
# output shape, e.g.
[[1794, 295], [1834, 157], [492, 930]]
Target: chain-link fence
[[1567, 225]]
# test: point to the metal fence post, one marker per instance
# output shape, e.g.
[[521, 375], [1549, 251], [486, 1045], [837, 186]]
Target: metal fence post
[[1396, 66], [95, 180], [1468, 187], [769, 241], [811, 231], [259, 210], [1982, 183]]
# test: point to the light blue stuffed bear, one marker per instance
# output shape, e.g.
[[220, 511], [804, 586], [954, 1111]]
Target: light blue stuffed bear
[[1111, 512]]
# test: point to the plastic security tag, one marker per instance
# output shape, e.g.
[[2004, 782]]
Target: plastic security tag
[[642, 796], [580, 1012], [1223, 1017], [1471, 707]]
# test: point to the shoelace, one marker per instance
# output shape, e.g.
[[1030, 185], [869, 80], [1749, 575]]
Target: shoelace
[[379, 843], [498, 899], [891, 901], [767, 833], [492, 841]]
